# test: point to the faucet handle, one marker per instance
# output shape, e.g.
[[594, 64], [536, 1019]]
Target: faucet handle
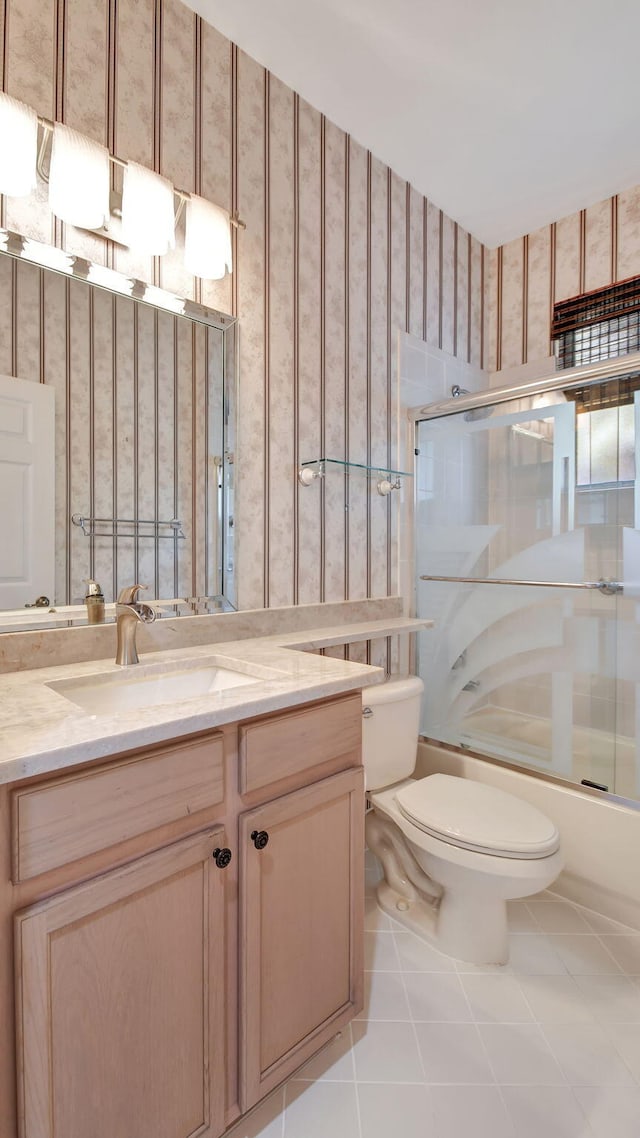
[[129, 595]]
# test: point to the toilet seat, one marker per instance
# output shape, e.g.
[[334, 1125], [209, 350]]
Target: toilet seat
[[477, 817]]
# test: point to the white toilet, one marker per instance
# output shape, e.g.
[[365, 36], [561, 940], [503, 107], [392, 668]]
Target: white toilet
[[453, 850]]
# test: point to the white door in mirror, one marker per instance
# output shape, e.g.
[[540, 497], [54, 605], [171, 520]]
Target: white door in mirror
[[27, 496]]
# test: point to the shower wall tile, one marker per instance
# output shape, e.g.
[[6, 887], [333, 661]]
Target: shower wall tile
[[339, 255]]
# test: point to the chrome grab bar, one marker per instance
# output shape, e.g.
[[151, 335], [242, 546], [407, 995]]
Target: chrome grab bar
[[609, 588]]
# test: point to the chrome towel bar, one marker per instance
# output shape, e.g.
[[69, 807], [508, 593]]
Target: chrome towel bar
[[609, 588]]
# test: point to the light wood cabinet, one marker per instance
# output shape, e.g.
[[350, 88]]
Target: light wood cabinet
[[158, 995], [119, 1009], [301, 914]]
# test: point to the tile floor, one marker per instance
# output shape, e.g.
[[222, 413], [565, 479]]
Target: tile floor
[[547, 1046]]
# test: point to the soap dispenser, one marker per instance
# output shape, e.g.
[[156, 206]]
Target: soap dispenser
[[94, 600]]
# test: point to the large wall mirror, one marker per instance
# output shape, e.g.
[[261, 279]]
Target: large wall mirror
[[143, 441]]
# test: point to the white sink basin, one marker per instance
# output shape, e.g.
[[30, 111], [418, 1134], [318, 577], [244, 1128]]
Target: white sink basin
[[150, 686]]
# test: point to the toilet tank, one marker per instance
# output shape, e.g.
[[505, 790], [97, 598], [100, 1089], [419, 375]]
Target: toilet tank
[[390, 732]]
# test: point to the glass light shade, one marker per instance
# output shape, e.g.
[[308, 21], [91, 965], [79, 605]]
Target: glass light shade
[[148, 219], [18, 147], [79, 179], [207, 245]]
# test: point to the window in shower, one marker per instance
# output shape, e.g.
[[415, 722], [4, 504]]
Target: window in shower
[[598, 325]]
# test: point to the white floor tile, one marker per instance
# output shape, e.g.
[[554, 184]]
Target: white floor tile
[[380, 953], [534, 955], [321, 1110], [266, 1121], [374, 918], [613, 1112], [551, 1111], [386, 1053], [445, 1049], [555, 999], [399, 1109], [601, 924], [496, 999], [385, 996], [334, 1062], [519, 1053], [610, 999], [626, 951], [626, 1040], [586, 1055], [584, 955], [453, 1053], [435, 997], [474, 1111], [418, 956], [558, 917], [520, 919]]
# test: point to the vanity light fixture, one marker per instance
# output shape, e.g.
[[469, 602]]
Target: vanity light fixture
[[148, 220], [79, 177], [207, 245], [79, 192], [19, 148]]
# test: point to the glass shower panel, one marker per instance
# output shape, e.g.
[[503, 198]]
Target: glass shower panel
[[523, 662]]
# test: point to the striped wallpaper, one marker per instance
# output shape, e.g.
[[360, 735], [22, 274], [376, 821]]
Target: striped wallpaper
[[595, 247], [339, 253]]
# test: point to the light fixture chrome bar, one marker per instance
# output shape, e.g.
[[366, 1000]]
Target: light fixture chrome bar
[[559, 381], [47, 127], [609, 588]]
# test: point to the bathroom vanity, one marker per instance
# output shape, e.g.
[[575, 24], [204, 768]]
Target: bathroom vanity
[[181, 889]]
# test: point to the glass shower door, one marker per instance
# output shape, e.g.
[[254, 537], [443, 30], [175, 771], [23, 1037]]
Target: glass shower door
[[528, 524]]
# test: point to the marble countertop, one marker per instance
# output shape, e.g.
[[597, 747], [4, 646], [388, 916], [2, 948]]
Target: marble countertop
[[42, 731]]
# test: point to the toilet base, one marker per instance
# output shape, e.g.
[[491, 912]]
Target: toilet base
[[475, 933]]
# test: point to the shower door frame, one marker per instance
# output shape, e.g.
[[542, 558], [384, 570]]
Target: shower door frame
[[570, 378]]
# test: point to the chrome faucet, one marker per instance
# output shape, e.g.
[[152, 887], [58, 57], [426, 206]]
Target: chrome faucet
[[129, 611]]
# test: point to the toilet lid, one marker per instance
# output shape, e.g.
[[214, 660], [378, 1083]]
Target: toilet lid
[[478, 817]]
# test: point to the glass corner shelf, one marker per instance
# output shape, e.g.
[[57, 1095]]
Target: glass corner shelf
[[386, 478]]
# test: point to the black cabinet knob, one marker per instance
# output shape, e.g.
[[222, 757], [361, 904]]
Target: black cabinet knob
[[222, 858], [259, 839]]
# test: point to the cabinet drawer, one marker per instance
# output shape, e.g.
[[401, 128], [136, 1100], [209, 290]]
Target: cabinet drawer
[[283, 745], [58, 822]]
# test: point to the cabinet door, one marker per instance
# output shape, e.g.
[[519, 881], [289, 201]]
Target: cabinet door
[[302, 918], [120, 1012]]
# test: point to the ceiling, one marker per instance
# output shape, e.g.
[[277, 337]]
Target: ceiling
[[507, 114]]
